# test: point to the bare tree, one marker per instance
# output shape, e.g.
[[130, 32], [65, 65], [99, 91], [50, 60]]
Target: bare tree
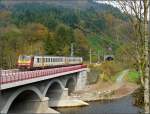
[[137, 12]]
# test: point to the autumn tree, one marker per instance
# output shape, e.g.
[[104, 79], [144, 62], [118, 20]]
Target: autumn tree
[[81, 44], [10, 45], [33, 33], [59, 42], [137, 12]]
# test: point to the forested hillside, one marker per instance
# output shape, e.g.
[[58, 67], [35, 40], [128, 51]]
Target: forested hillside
[[37, 28]]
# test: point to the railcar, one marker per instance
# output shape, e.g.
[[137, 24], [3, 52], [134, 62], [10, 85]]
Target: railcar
[[39, 62]]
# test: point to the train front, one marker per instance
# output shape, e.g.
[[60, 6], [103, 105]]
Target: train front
[[25, 62]]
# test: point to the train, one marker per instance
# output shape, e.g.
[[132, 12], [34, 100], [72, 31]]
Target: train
[[30, 62]]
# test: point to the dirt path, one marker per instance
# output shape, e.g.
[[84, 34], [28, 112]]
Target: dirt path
[[107, 90], [120, 78]]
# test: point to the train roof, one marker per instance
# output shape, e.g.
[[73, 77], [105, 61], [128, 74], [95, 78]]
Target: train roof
[[49, 56], [55, 56]]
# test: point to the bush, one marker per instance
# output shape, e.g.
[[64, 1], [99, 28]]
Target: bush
[[139, 97], [110, 68]]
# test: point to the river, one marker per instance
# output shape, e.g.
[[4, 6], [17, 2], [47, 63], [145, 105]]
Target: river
[[120, 106]]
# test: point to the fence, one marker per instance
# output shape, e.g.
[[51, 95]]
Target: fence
[[9, 76]]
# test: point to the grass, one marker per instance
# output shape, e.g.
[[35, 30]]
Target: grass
[[133, 76]]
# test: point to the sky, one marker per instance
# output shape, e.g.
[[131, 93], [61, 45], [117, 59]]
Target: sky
[[115, 4]]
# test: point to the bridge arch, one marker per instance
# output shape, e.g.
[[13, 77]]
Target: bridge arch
[[54, 90], [50, 84], [25, 90], [70, 84]]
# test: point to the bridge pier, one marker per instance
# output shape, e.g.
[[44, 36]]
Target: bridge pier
[[56, 102], [33, 106], [41, 106], [66, 101], [81, 81]]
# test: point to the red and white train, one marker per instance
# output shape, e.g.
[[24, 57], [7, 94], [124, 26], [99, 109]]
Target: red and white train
[[39, 62]]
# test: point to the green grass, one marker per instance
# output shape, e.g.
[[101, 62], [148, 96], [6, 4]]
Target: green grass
[[133, 76]]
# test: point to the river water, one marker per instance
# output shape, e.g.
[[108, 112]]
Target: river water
[[120, 106]]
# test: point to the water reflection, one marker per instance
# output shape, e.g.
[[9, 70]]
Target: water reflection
[[120, 106]]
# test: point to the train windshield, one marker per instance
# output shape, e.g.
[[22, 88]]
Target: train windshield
[[24, 58]]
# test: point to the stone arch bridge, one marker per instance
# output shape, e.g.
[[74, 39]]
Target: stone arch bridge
[[33, 91]]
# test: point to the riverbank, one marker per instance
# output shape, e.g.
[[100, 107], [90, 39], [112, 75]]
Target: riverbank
[[102, 90], [105, 91]]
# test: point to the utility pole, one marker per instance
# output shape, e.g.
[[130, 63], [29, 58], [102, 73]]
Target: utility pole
[[98, 56], [90, 54], [72, 50]]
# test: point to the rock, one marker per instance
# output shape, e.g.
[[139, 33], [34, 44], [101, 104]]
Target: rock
[[67, 103]]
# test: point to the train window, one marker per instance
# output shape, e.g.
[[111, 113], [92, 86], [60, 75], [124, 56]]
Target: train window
[[38, 60], [24, 58]]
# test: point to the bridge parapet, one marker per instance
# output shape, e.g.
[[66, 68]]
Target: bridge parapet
[[7, 78]]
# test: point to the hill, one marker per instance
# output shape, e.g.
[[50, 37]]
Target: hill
[[50, 27]]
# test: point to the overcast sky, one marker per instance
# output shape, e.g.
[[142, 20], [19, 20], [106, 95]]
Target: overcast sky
[[115, 4]]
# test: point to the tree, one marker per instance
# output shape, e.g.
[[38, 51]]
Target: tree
[[58, 42], [10, 45], [81, 44], [33, 33], [137, 12]]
